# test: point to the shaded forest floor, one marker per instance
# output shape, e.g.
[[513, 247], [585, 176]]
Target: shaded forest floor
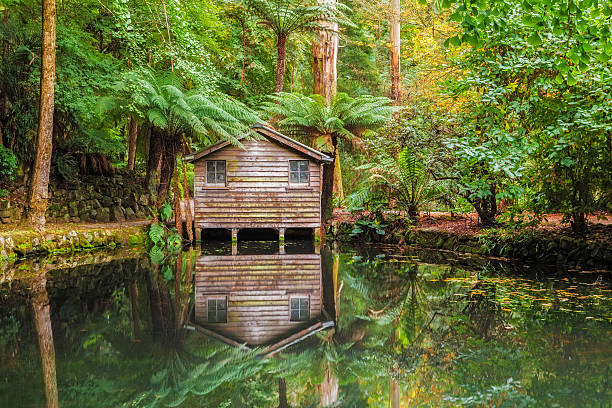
[[599, 227]]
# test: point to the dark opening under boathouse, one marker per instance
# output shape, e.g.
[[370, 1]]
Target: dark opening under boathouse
[[271, 182]]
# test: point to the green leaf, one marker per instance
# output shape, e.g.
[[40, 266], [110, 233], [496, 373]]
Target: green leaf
[[156, 254], [571, 81], [167, 273], [456, 41], [166, 212], [534, 40], [156, 232], [559, 78]]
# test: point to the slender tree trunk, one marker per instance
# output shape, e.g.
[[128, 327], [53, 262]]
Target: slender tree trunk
[[155, 156], [39, 186], [168, 166], [396, 91], [329, 388], [338, 190], [134, 309], [325, 58], [42, 321], [282, 393], [187, 198], [327, 191], [394, 393], [280, 62], [133, 136], [178, 213]]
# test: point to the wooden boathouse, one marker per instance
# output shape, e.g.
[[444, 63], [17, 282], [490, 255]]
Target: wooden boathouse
[[271, 181]]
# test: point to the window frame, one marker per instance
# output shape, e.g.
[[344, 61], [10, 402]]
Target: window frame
[[216, 299], [215, 184], [299, 172], [307, 310]]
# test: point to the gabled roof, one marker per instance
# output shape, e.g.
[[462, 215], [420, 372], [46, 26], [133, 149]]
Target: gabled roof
[[269, 133], [289, 340]]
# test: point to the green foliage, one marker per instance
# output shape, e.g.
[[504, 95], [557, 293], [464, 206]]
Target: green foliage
[[345, 118], [403, 177], [535, 80], [8, 164]]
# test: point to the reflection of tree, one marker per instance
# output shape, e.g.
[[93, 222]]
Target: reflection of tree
[[483, 310], [42, 321]]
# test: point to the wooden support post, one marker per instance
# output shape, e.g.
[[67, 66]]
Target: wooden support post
[[198, 234], [281, 235], [317, 234], [234, 241]]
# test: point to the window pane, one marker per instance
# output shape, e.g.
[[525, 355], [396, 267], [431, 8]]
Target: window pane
[[221, 166], [303, 165], [222, 316], [294, 177], [220, 178], [304, 303], [210, 166], [295, 315], [304, 178], [295, 302], [293, 165], [222, 304]]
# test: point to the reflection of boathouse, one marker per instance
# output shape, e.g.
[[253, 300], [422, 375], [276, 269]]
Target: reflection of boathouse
[[259, 300]]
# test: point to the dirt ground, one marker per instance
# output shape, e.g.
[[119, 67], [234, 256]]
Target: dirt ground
[[600, 227]]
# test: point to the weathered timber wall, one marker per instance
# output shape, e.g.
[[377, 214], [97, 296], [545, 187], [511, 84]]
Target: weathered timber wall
[[258, 288], [257, 192]]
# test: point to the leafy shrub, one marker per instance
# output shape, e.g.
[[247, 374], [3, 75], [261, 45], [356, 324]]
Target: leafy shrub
[[8, 164]]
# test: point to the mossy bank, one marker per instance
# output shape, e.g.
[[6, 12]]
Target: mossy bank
[[532, 246], [66, 239]]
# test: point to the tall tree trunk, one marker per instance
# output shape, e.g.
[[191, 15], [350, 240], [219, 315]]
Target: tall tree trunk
[[281, 46], [155, 156], [44, 331], [39, 186], [396, 91], [133, 136], [338, 190], [325, 58]]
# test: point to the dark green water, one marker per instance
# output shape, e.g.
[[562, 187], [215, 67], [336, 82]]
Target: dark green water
[[424, 329]]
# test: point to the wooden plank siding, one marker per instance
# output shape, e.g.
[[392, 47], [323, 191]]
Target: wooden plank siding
[[258, 289], [257, 193]]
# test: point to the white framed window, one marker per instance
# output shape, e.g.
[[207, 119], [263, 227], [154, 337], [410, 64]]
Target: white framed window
[[217, 309], [298, 172], [215, 172], [299, 308]]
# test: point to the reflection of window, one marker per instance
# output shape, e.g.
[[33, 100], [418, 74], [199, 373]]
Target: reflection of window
[[215, 172], [300, 309], [217, 310], [298, 171]]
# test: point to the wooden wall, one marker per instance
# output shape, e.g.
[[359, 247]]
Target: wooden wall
[[258, 288], [257, 193]]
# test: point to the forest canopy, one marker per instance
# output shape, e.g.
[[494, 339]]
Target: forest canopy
[[501, 108]]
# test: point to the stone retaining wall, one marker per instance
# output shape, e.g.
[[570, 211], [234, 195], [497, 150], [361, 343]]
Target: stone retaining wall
[[92, 199], [20, 244]]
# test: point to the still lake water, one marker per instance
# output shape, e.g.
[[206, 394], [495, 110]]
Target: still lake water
[[371, 327]]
